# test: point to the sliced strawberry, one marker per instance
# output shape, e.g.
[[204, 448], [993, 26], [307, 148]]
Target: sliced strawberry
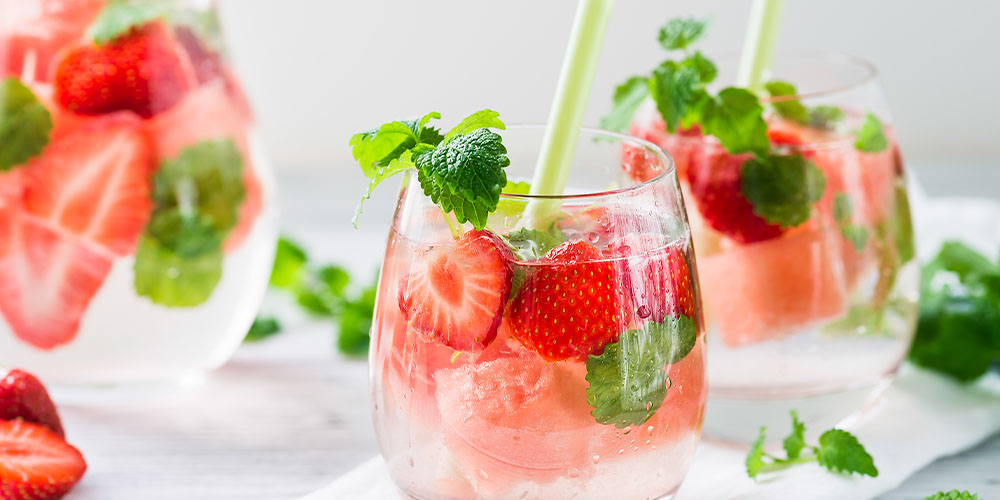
[[40, 28], [716, 185], [657, 276], [139, 71], [455, 294], [36, 464], [572, 305], [95, 182], [23, 396], [47, 279]]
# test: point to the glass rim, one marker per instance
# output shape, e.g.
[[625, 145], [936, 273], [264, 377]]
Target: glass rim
[[618, 137], [823, 56]]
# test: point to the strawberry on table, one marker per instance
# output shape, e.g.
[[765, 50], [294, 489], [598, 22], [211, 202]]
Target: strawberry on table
[[455, 294], [139, 71], [22, 396], [35, 463], [572, 305], [95, 182]]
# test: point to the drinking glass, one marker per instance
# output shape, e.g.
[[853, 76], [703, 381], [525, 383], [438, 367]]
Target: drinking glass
[[816, 317], [138, 229], [546, 408]]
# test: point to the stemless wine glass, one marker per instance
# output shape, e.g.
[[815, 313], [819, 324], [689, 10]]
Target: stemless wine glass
[[819, 316], [137, 225], [591, 384]]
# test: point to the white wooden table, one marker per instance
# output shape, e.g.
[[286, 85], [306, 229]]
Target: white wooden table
[[287, 416]]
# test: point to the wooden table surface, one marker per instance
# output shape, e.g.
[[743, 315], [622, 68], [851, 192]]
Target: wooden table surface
[[286, 416]]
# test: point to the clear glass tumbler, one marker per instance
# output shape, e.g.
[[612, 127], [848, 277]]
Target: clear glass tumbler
[[589, 382], [137, 221], [819, 316]]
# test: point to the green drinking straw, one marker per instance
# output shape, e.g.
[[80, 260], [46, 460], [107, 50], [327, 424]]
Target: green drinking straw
[[566, 115], [758, 47]]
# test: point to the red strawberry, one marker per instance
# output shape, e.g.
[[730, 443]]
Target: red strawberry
[[36, 464], [715, 181], [455, 294], [23, 396], [47, 279], [36, 30], [139, 71], [95, 182], [638, 164], [572, 305], [657, 276]]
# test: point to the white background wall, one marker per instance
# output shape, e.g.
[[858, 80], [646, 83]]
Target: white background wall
[[319, 70]]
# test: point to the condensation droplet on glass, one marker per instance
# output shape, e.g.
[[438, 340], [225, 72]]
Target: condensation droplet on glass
[[627, 430], [483, 474], [573, 472], [643, 311], [649, 429], [659, 472], [596, 458], [593, 237], [410, 461], [649, 405], [648, 442], [621, 451]]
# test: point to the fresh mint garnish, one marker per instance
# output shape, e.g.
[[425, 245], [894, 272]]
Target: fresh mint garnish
[[958, 332], [838, 451], [871, 138], [843, 209], [678, 34], [953, 495], [628, 382], [263, 327], [512, 207], [825, 117], [673, 87], [735, 117], [461, 171], [532, 244], [25, 124], [196, 200], [818, 117], [120, 16], [627, 99], [782, 188]]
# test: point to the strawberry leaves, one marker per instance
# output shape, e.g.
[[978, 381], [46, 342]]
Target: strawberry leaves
[[25, 124], [628, 382], [461, 171]]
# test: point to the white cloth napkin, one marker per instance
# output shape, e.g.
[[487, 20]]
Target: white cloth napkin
[[921, 418]]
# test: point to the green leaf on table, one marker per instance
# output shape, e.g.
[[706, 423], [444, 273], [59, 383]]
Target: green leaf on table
[[782, 188], [119, 16], [953, 495], [674, 87], [465, 175], [289, 265], [25, 124], [355, 322], [680, 33], [628, 382], [839, 451], [486, 118], [627, 99], [791, 109], [174, 281], [263, 327], [795, 441], [871, 138], [755, 456], [735, 117], [509, 207], [843, 209], [321, 292]]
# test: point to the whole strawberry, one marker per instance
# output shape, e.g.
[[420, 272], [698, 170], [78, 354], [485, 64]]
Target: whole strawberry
[[22, 396], [657, 276], [717, 188], [572, 305], [35, 463]]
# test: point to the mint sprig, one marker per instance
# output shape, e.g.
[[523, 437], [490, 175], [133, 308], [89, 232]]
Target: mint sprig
[[821, 117], [953, 495], [678, 34], [838, 451], [461, 171], [871, 137], [628, 383], [626, 101], [25, 124], [782, 188], [120, 16], [843, 209]]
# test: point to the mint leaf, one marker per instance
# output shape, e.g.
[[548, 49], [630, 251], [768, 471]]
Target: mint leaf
[[174, 281], [680, 33], [321, 292], [840, 451], [379, 174], [790, 109], [486, 118], [628, 96], [755, 456], [262, 328], [953, 495], [532, 244], [782, 188], [25, 124], [511, 207], [843, 209], [289, 265], [425, 134], [355, 322], [706, 69], [120, 16], [871, 138], [735, 117], [673, 87], [465, 175], [627, 381], [825, 117], [206, 178], [186, 233], [379, 147], [795, 441]]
